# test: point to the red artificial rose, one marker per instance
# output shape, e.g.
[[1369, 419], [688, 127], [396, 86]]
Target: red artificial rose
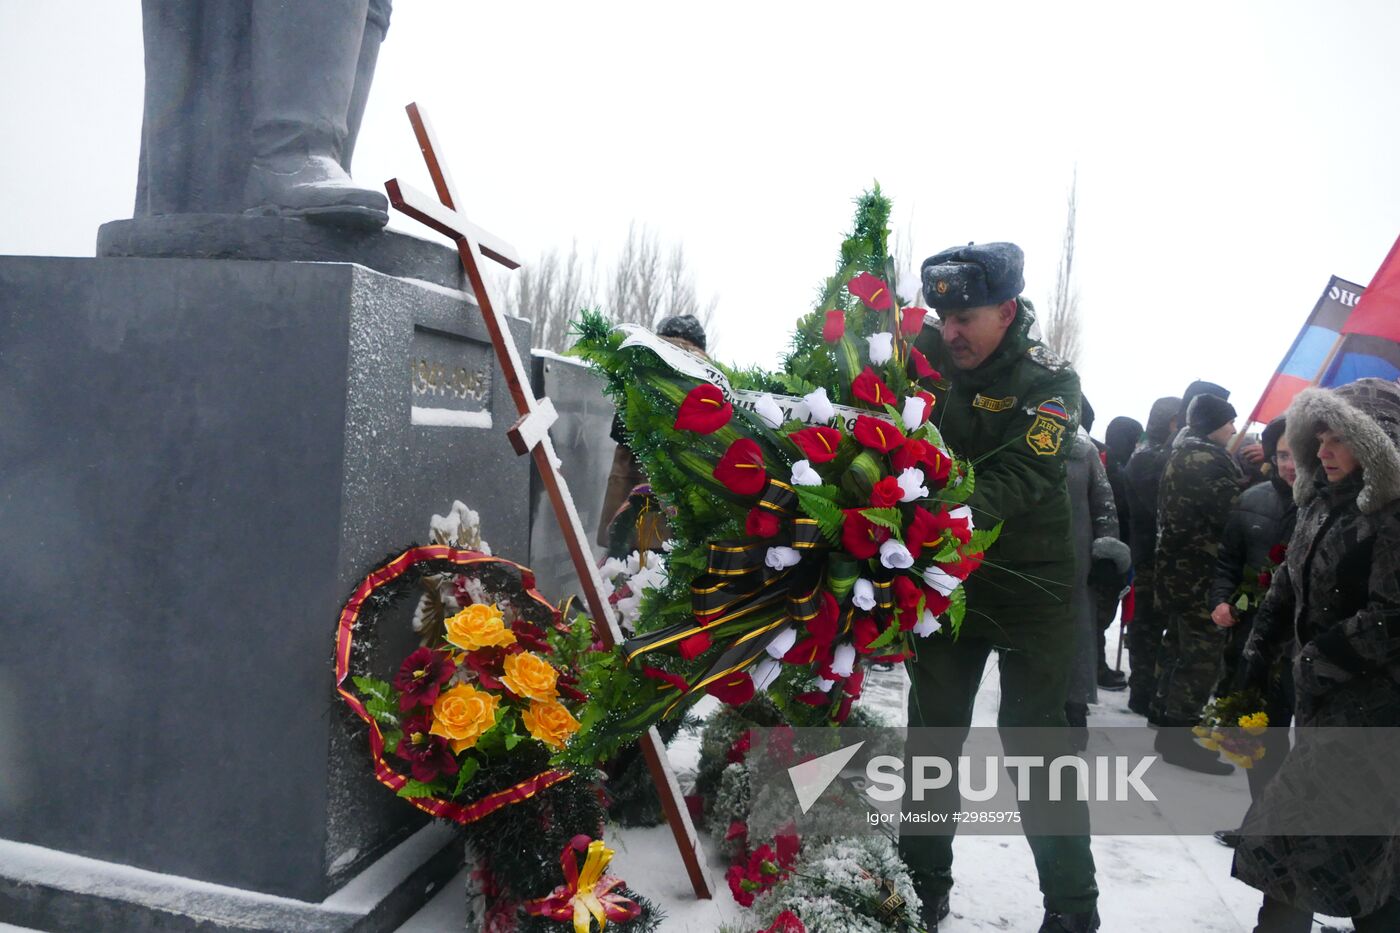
[[819, 444], [428, 754], [823, 626], [869, 388], [761, 523], [1277, 553], [872, 292], [886, 493], [911, 320], [735, 689], [929, 402], [906, 592], [855, 683], [421, 677], [935, 602], [861, 537], [741, 468], [912, 453], [666, 677], [876, 434], [703, 410], [863, 631], [813, 698], [1265, 579], [835, 327], [922, 368], [694, 646]]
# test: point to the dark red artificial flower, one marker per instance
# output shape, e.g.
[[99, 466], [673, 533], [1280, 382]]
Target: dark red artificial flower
[[740, 748], [911, 453], [1265, 580], [819, 444], [735, 689], [786, 922], [823, 625], [843, 711], [911, 320], [421, 677], [924, 532], [788, 843], [428, 754], [809, 650], [861, 537], [761, 523], [922, 368], [863, 631], [872, 292], [906, 591], [1277, 553], [694, 646], [835, 326], [963, 567], [738, 829], [886, 493], [703, 410], [935, 602], [695, 803], [530, 637], [855, 683], [740, 886], [937, 466], [488, 664], [813, 698], [741, 468], [868, 387], [877, 434], [666, 677]]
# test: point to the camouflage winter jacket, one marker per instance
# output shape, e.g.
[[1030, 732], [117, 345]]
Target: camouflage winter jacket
[[1200, 485]]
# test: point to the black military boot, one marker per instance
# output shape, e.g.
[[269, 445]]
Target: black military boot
[[1057, 922], [935, 908], [1109, 679], [1175, 745]]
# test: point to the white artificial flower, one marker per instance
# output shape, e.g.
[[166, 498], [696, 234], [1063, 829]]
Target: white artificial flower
[[845, 660], [911, 481], [611, 568], [914, 408], [909, 286], [634, 562], [825, 685], [942, 581], [804, 475], [863, 596], [819, 406], [927, 625], [781, 558], [783, 643], [962, 512], [768, 410], [881, 347], [765, 672], [895, 556]]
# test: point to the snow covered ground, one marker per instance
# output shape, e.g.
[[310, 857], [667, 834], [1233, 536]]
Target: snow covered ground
[[1147, 884]]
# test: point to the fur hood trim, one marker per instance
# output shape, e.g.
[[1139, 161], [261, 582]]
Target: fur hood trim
[[1367, 414]]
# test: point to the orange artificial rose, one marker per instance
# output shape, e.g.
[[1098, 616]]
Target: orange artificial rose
[[478, 626], [462, 713], [549, 722], [530, 676]]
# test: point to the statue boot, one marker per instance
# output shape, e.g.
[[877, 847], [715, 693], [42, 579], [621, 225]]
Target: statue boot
[[305, 59]]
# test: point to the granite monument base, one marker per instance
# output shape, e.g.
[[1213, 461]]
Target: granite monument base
[[198, 461]]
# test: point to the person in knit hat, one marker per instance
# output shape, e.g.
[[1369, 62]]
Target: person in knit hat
[[1200, 485], [1333, 602]]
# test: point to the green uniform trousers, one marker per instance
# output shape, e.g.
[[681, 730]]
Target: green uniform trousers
[[1034, 680], [1144, 638], [1193, 653]]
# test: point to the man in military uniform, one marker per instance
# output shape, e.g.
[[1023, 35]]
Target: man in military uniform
[[1200, 486], [1010, 404]]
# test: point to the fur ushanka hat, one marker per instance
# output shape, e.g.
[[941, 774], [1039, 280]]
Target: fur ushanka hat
[[1366, 414]]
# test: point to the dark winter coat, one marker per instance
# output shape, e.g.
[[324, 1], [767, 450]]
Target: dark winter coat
[[1264, 517], [1337, 601], [1142, 478], [1200, 485]]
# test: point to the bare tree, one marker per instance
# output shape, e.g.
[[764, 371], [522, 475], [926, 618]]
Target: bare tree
[[551, 293], [1062, 323]]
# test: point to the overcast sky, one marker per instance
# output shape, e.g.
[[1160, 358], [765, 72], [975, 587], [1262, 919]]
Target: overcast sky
[[1231, 156]]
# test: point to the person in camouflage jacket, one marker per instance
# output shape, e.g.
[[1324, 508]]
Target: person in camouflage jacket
[[1200, 485], [1336, 601]]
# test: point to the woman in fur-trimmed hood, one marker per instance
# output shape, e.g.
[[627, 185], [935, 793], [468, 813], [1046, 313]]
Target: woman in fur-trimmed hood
[[1337, 599]]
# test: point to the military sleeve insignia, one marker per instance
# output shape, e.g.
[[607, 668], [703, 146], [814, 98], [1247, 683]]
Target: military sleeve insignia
[[1045, 436], [992, 404], [1054, 408]]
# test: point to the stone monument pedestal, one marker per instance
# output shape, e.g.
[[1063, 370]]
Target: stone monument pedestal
[[198, 461]]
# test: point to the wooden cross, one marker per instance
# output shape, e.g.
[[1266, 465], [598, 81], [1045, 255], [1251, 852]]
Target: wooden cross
[[530, 435]]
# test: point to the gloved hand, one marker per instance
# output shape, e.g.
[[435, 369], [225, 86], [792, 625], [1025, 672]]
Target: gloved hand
[[1251, 675], [1105, 577]]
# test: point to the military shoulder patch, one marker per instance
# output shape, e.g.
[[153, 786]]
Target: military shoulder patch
[[1054, 408], [1047, 358], [992, 404], [1045, 436]]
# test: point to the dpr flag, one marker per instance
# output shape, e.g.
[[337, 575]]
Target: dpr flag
[[1312, 351]]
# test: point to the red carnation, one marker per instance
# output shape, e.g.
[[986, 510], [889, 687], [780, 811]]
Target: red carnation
[[735, 689], [1277, 553], [819, 444], [911, 319], [876, 434], [922, 367], [886, 493], [429, 754], [666, 677], [872, 292], [741, 468], [421, 677], [869, 388], [835, 327], [694, 646], [861, 537], [761, 523], [703, 410], [786, 922]]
